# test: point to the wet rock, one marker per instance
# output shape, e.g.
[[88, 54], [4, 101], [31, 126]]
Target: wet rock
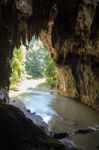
[[28, 111], [4, 98], [14, 100], [97, 148], [33, 113], [19, 133], [69, 144], [84, 131], [60, 135], [97, 127], [36, 119]]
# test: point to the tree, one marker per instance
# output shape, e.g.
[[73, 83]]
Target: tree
[[50, 73], [35, 58], [39, 62], [17, 65]]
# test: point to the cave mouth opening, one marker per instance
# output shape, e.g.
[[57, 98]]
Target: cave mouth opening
[[32, 61]]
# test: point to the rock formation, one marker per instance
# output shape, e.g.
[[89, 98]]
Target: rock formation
[[19, 133], [70, 32]]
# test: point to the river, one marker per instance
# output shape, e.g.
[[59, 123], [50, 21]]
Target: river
[[63, 114]]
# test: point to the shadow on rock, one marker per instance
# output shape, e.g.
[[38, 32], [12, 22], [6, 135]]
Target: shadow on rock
[[19, 133]]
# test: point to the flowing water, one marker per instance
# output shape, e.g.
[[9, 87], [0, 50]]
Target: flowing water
[[64, 115]]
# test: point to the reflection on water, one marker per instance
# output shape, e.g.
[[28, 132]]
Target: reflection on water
[[63, 114], [87, 141], [75, 114]]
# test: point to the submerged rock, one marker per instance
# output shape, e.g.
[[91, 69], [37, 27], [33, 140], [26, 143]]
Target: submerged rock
[[60, 135], [84, 131], [69, 144]]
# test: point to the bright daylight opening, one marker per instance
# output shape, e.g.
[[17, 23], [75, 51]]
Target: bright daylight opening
[[31, 66], [33, 79]]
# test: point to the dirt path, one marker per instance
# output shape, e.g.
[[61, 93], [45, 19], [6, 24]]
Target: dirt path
[[24, 85]]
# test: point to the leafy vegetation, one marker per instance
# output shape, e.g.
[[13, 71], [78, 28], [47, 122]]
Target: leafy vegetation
[[39, 63], [49, 70], [17, 65], [35, 59]]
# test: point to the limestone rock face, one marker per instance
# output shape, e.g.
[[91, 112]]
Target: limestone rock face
[[73, 41], [70, 32]]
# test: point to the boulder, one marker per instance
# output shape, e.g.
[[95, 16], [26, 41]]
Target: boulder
[[60, 135], [84, 131], [19, 133], [69, 144]]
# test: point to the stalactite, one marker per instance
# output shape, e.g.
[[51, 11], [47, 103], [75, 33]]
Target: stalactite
[[68, 29]]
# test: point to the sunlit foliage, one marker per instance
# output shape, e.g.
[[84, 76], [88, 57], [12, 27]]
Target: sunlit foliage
[[39, 62], [17, 66], [35, 58], [49, 72]]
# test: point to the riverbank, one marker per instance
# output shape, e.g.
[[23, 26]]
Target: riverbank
[[25, 85], [63, 115], [35, 118], [22, 88]]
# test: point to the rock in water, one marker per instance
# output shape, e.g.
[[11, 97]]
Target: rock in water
[[84, 131], [69, 144], [60, 135]]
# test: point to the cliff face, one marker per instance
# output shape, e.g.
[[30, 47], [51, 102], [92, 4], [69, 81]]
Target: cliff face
[[77, 44], [70, 32], [74, 36], [72, 39]]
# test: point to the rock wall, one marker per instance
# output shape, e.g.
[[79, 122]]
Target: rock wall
[[69, 31], [73, 41], [80, 56]]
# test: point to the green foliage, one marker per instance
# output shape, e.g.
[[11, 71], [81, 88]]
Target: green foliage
[[35, 59], [50, 70], [39, 63], [17, 66]]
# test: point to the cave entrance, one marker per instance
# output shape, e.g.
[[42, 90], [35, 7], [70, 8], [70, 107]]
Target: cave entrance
[[32, 62]]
